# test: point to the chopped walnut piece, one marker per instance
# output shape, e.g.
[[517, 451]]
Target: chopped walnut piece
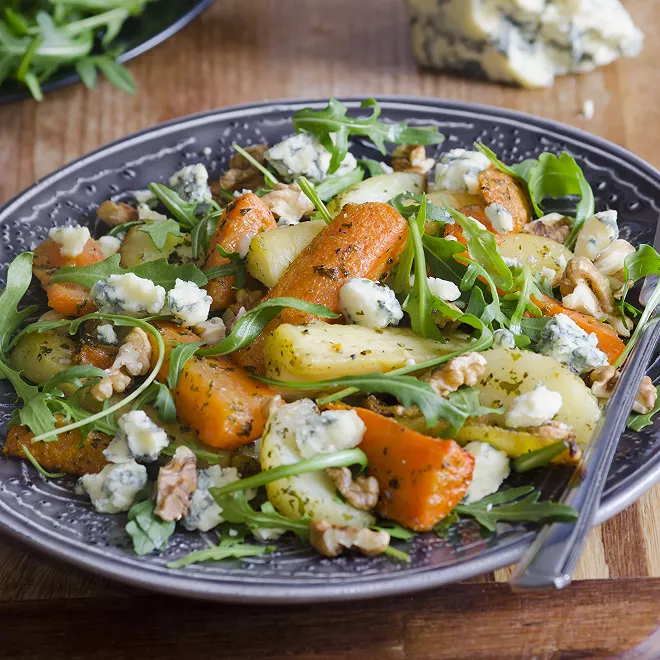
[[242, 174], [462, 370], [332, 540], [362, 493], [116, 213], [553, 226], [246, 299], [133, 359], [411, 158], [553, 431], [289, 203], [584, 288], [176, 483], [603, 379]]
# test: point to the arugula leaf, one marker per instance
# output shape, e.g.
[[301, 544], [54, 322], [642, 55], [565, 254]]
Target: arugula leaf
[[160, 231], [519, 170], [50, 475], [19, 276], [147, 530], [73, 375], [35, 413], [317, 463], [202, 233], [527, 288], [227, 549], [539, 458], [123, 228], [74, 410], [236, 510], [516, 505], [637, 421], [466, 399], [410, 391], [395, 530], [312, 195], [332, 127], [181, 210], [162, 399], [160, 272], [643, 262], [534, 327], [331, 186], [482, 247], [252, 324], [440, 258], [178, 358], [374, 167], [236, 266], [408, 205], [116, 73], [492, 311]]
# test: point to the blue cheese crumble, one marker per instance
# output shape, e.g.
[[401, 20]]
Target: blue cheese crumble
[[598, 232], [500, 218], [211, 332], [192, 184], [106, 333], [533, 408], [114, 488], [303, 155], [204, 513], [458, 171], [504, 338], [491, 468], [109, 245], [330, 431], [138, 438], [128, 294], [71, 240], [189, 304], [565, 341], [370, 304]]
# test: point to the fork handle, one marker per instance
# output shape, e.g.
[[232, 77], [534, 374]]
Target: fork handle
[[551, 559]]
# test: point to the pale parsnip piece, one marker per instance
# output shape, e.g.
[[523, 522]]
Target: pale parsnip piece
[[510, 373], [319, 351], [272, 252], [138, 247], [42, 355], [381, 188], [312, 494], [537, 251], [456, 200]]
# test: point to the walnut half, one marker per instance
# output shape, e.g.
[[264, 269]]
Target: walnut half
[[332, 540], [411, 158], [603, 379], [242, 174], [176, 483], [362, 493], [465, 369], [133, 359], [116, 213]]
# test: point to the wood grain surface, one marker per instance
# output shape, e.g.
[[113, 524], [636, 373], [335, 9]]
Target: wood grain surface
[[251, 50]]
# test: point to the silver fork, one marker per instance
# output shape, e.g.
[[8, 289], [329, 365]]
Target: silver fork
[[551, 559]]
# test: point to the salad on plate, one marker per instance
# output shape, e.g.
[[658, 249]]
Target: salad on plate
[[350, 350]]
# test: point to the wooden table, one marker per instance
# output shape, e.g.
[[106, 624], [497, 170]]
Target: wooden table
[[250, 50]]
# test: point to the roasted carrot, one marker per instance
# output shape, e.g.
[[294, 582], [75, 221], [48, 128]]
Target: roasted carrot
[[421, 478], [501, 188], [240, 222], [216, 398], [608, 340], [364, 240], [66, 298], [69, 453], [95, 354]]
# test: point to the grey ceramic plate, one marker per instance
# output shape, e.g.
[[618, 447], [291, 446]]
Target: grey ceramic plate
[[159, 21], [48, 516]]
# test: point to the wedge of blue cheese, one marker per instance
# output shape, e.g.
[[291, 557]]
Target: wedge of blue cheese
[[522, 42]]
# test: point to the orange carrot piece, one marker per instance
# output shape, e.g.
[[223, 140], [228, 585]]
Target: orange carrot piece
[[98, 356], [70, 299], [364, 240], [421, 478], [501, 188], [243, 219], [66, 454], [217, 399], [608, 340], [48, 258]]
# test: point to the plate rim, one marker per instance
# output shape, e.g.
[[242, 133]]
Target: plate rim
[[618, 498], [141, 48]]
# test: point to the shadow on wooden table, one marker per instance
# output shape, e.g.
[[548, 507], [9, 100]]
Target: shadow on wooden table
[[592, 619]]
